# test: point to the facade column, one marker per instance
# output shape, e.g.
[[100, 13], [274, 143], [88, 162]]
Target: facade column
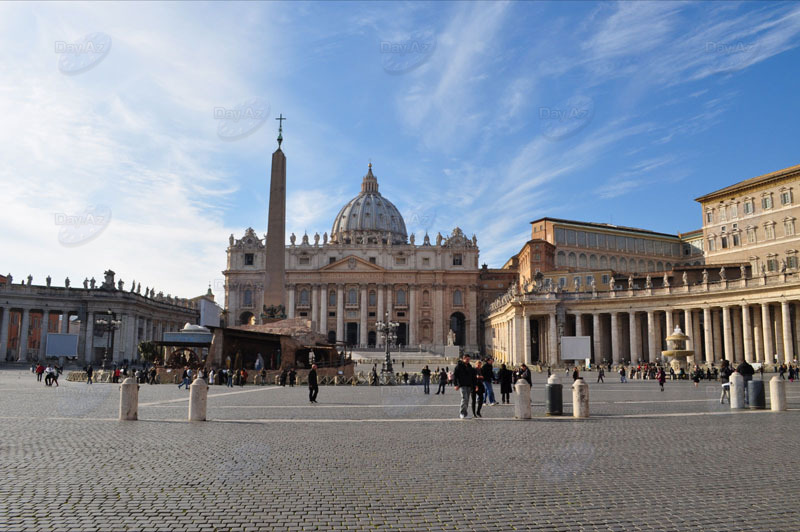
[[526, 337], [709, 345], [578, 324], [738, 346], [438, 308], [379, 314], [596, 336], [727, 336], [4, 323], [472, 330], [323, 309], [651, 336], [23, 335], [339, 313], [65, 322], [552, 340], [748, 334], [766, 327], [290, 310], [758, 335], [412, 315], [516, 331], [633, 333], [616, 356], [389, 295], [788, 350], [362, 326], [88, 328], [699, 348], [688, 327]]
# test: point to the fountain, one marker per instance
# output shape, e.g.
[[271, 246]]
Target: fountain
[[676, 350]]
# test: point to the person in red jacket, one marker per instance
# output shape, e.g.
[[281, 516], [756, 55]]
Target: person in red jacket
[[39, 372]]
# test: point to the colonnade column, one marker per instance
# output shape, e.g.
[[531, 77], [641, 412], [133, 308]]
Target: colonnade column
[[578, 324], [552, 340], [688, 327], [699, 348], [4, 321], [651, 336], [719, 353], [64, 322], [758, 336], [616, 356], [389, 295], [738, 348], [727, 334], [379, 314], [472, 307], [766, 327], [88, 328], [632, 333], [596, 345], [23, 335], [290, 310], [777, 324], [516, 344], [748, 334], [526, 337], [362, 326], [412, 315], [340, 313], [709, 345], [43, 330], [670, 322], [788, 350]]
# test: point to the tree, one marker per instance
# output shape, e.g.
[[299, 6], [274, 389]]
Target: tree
[[148, 351]]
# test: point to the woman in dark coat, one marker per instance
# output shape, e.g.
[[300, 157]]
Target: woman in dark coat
[[505, 384]]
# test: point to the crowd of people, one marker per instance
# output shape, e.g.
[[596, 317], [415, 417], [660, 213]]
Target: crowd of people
[[49, 374]]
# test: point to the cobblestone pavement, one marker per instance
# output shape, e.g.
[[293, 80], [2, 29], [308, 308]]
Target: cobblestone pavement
[[392, 458]]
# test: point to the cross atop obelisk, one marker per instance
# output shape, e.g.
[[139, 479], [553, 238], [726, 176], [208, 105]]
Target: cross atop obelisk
[[280, 120]]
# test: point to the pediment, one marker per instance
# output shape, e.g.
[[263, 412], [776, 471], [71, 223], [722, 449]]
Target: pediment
[[352, 264]]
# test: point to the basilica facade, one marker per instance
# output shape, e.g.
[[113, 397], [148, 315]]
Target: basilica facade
[[367, 270]]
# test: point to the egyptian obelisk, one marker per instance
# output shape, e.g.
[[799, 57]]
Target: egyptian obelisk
[[275, 275]]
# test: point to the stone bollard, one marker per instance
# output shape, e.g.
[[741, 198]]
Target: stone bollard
[[737, 390], [129, 400], [198, 399], [777, 394], [580, 398], [755, 392], [522, 400], [554, 404]]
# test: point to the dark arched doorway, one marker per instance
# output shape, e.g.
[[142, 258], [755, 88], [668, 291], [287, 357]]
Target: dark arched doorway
[[371, 338], [246, 318], [402, 334], [351, 333], [331, 337], [458, 324]]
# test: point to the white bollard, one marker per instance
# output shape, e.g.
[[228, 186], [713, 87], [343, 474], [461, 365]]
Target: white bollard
[[737, 390], [198, 398], [580, 398], [522, 400], [777, 394], [128, 400]]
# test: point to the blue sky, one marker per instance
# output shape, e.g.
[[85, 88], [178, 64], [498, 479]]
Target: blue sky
[[137, 137]]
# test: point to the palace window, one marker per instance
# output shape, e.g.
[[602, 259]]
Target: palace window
[[458, 298], [724, 242], [772, 264], [373, 298], [766, 201], [331, 260], [736, 241], [248, 259], [592, 239], [748, 207], [399, 260], [304, 297], [709, 216], [537, 257], [426, 261], [788, 227], [372, 260], [401, 297], [769, 231], [712, 245], [589, 280], [786, 197], [457, 259], [332, 298], [305, 260], [562, 282], [604, 279], [352, 297], [751, 235], [426, 297], [601, 240], [723, 213], [248, 298], [735, 210], [791, 261]]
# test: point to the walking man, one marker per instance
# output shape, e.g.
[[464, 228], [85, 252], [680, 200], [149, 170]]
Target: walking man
[[488, 376], [464, 380], [442, 381], [426, 380], [600, 374], [89, 372], [747, 372], [313, 387]]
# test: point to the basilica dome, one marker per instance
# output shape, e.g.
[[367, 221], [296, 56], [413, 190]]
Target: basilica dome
[[369, 217]]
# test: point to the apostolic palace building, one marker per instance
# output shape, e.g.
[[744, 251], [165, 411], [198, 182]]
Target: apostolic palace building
[[732, 286]]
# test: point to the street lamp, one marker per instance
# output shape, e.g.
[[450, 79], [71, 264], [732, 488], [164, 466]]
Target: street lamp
[[387, 330], [107, 325]]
